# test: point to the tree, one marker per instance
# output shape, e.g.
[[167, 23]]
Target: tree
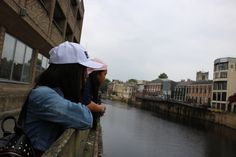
[[163, 76], [132, 81], [105, 86]]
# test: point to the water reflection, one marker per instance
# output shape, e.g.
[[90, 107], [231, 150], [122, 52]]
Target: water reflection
[[128, 131]]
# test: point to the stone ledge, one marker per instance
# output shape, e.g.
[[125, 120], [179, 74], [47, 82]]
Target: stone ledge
[[70, 144], [9, 113]]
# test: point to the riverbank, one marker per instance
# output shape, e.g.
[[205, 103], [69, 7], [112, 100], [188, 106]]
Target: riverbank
[[186, 111]]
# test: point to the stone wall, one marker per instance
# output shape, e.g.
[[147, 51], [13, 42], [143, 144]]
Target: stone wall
[[74, 143], [188, 112]]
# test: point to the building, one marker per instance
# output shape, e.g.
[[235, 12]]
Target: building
[[162, 88], [224, 82], [129, 92], [168, 88], [28, 30], [140, 87], [199, 91], [118, 88], [232, 103], [153, 88], [180, 90], [202, 76]]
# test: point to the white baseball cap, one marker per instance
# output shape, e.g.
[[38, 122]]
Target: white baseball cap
[[104, 66], [70, 52]]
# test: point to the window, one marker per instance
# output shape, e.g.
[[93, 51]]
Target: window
[[59, 18], [216, 75], [220, 85], [231, 66], [203, 77], [214, 96], [69, 33], [224, 96], [224, 85], [218, 96], [42, 64], [221, 66], [73, 4], [16, 60], [46, 4], [223, 106], [7, 57], [223, 75], [26, 77]]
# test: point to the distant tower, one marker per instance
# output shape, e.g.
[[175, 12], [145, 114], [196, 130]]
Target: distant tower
[[202, 76]]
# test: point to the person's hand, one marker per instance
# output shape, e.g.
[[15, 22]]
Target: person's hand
[[97, 108], [103, 109]]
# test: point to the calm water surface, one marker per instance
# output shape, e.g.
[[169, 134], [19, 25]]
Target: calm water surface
[[131, 132]]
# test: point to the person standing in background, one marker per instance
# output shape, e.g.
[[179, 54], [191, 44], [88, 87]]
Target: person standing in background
[[96, 77]]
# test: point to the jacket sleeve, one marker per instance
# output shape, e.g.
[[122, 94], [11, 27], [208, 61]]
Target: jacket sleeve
[[48, 105]]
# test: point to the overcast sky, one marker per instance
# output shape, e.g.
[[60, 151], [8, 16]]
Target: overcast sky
[[142, 38]]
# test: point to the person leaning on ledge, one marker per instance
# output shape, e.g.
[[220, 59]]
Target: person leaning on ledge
[[54, 104]]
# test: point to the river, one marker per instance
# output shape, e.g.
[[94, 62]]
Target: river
[[132, 132]]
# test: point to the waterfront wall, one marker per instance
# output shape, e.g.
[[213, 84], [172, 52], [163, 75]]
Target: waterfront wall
[[74, 143], [188, 112]]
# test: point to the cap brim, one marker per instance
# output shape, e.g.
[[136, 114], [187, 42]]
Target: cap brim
[[92, 64]]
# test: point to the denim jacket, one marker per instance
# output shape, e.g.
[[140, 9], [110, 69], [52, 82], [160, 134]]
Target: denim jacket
[[49, 114]]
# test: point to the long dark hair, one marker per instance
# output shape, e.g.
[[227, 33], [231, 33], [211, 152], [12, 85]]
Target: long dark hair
[[93, 77], [68, 77]]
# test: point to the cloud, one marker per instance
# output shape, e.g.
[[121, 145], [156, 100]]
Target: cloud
[[141, 39]]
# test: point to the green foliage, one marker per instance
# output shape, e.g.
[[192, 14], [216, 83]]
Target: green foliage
[[163, 76], [132, 81], [105, 86]]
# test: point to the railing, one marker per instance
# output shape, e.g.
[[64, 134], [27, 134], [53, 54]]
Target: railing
[[74, 143], [70, 144]]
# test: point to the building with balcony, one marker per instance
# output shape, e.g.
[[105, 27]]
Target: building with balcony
[[224, 82], [28, 30]]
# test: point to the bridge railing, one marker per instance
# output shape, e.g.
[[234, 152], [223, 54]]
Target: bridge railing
[[77, 143], [70, 144]]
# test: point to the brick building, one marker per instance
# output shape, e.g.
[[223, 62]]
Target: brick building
[[199, 92], [153, 88], [28, 30]]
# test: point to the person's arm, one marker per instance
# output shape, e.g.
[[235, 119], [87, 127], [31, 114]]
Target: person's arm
[[49, 106], [87, 99], [96, 108]]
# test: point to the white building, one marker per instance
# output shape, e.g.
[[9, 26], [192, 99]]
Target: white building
[[224, 82]]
